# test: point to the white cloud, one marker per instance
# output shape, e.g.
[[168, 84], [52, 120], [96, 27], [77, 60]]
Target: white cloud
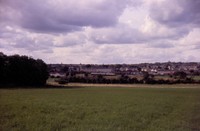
[[114, 31]]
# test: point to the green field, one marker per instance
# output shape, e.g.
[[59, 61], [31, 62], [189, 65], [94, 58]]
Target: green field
[[101, 109]]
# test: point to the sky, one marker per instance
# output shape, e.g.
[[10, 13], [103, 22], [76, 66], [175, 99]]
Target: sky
[[101, 31]]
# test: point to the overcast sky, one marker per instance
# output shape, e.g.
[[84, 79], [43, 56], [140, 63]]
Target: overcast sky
[[101, 31]]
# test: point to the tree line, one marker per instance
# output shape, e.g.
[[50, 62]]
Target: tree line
[[19, 70], [127, 80], [177, 78]]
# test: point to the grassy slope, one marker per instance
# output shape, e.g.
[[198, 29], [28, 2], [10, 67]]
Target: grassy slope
[[134, 109]]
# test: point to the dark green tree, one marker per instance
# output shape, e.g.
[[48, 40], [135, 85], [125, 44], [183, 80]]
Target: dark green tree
[[180, 74], [22, 70]]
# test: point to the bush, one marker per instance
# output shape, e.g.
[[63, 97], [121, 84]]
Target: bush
[[62, 81]]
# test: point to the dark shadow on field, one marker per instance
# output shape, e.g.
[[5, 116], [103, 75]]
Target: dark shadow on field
[[60, 86], [40, 87]]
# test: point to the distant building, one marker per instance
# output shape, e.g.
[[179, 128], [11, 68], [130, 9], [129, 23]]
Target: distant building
[[97, 70], [57, 74]]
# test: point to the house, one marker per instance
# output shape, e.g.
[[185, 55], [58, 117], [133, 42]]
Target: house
[[57, 75], [165, 72], [97, 70]]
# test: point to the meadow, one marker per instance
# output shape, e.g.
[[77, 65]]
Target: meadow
[[168, 108]]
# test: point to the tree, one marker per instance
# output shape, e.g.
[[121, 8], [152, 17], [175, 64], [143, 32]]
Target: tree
[[147, 78], [22, 70], [180, 74], [3, 68]]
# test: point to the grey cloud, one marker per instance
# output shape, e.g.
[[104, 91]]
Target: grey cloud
[[62, 15], [176, 12], [1, 44], [123, 34], [24, 40], [197, 47], [30, 44], [161, 44], [7, 32], [70, 39]]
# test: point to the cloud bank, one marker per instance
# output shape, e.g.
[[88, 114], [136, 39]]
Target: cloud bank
[[114, 31]]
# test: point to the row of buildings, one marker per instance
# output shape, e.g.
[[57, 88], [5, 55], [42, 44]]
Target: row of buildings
[[85, 70]]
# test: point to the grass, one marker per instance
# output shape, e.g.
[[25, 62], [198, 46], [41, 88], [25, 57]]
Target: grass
[[197, 78], [101, 109]]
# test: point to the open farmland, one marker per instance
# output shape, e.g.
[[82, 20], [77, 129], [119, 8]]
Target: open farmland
[[169, 108]]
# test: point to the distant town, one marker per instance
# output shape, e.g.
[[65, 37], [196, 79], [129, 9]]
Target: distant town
[[168, 72]]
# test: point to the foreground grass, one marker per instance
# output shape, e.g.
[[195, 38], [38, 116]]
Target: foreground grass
[[102, 109]]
